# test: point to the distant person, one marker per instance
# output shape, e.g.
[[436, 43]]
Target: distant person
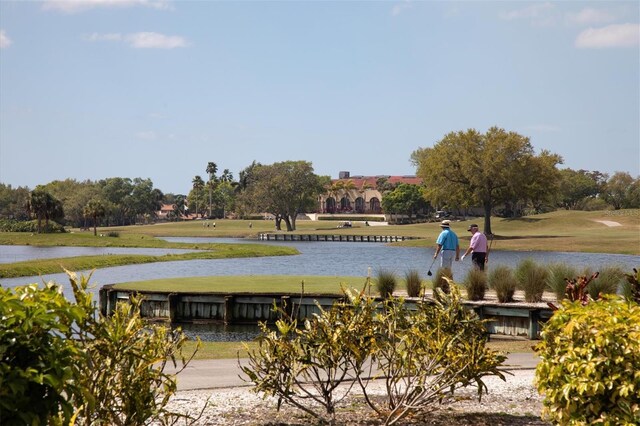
[[214, 224], [250, 225], [478, 247], [447, 245]]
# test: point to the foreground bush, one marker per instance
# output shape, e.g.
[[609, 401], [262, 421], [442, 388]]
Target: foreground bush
[[590, 357], [424, 354], [61, 362]]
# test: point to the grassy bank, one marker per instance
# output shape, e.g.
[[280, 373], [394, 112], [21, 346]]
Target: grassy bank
[[230, 350], [83, 263]]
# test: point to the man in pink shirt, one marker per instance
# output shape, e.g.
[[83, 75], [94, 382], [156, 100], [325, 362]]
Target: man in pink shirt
[[478, 246]]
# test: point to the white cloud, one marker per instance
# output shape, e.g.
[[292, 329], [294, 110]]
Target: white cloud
[[147, 40], [538, 14], [400, 7], [5, 41], [617, 35], [75, 6], [590, 16], [142, 40], [105, 37]]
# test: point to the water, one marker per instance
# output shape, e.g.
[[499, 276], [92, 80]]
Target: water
[[316, 258], [10, 254]]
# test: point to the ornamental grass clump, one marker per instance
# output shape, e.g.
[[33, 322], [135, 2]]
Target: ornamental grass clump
[[413, 283], [442, 279], [590, 355], [610, 280], [386, 283], [531, 278], [476, 284], [557, 276], [502, 281]]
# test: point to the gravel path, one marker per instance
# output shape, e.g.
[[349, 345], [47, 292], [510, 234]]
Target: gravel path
[[514, 402]]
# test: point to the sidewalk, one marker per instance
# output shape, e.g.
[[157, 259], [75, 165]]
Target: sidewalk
[[225, 373]]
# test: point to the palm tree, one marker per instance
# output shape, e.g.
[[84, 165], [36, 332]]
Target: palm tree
[[198, 184], [94, 209], [212, 169], [44, 205]]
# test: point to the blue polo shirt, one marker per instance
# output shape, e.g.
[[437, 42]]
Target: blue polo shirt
[[447, 239]]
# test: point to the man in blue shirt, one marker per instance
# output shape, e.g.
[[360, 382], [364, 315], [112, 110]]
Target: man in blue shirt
[[447, 245]]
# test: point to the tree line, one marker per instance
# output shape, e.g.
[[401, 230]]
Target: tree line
[[497, 171]]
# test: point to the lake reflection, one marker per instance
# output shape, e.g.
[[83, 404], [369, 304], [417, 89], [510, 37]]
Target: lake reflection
[[322, 258]]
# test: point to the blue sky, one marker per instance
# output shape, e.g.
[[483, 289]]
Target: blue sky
[[156, 89]]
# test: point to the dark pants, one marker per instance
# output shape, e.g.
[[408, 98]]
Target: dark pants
[[478, 260]]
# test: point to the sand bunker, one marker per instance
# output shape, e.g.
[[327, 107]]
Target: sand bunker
[[609, 222]]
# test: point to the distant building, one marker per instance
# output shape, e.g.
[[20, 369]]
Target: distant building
[[358, 194]]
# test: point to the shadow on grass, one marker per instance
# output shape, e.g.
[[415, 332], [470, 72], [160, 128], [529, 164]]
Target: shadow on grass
[[522, 237]]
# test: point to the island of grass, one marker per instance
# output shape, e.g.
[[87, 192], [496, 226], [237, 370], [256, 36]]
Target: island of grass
[[81, 263]]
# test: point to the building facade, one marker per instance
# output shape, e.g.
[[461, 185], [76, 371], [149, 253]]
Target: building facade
[[359, 194]]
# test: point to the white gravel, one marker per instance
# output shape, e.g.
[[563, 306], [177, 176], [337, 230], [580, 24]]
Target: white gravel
[[240, 406]]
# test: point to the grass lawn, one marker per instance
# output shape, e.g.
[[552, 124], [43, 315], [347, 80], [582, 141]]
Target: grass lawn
[[226, 350], [250, 284], [562, 230]]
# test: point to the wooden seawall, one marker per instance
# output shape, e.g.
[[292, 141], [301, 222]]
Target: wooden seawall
[[512, 319]]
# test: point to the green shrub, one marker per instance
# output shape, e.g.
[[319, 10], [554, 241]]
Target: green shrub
[[63, 363], [386, 283], [531, 278], [36, 360], [557, 276], [476, 284], [413, 283], [10, 225], [610, 280], [590, 355], [113, 234], [501, 280], [631, 286], [442, 279]]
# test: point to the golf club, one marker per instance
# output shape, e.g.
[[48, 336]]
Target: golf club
[[434, 261]]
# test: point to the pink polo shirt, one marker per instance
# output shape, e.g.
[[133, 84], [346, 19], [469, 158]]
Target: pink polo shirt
[[478, 243]]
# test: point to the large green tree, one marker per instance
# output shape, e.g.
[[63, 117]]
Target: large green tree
[[405, 199], [577, 187], [469, 168], [622, 191], [284, 189]]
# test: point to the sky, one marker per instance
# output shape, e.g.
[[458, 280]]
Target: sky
[[91, 89]]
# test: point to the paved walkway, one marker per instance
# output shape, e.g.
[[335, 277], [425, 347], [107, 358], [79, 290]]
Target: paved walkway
[[225, 373]]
